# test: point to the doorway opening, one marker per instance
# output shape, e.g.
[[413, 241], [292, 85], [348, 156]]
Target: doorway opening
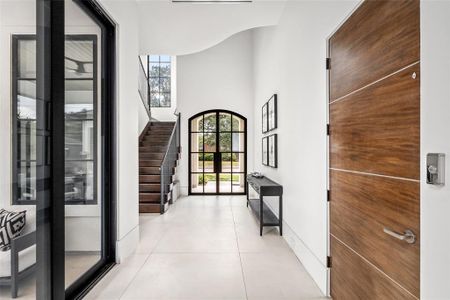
[[217, 153]]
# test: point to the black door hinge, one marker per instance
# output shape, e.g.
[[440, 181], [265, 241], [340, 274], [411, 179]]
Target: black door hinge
[[328, 261], [328, 129], [328, 195], [328, 63]]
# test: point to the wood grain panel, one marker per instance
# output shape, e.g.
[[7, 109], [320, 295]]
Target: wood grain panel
[[353, 278], [362, 205], [377, 130], [380, 38]]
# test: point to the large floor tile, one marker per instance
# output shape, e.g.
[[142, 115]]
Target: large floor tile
[[114, 284], [206, 238], [274, 276], [249, 240], [150, 233], [189, 276]]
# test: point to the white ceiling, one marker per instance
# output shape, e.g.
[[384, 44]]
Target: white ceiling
[[184, 28]]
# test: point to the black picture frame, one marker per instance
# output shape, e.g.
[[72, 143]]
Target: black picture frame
[[265, 118], [272, 113], [272, 150], [265, 151]]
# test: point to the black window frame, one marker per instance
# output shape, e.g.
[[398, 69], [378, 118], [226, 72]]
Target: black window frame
[[217, 131], [159, 62], [15, 78]]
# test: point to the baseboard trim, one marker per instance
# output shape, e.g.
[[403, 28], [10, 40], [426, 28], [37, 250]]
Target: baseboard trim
[[316, 269], [127, 245]]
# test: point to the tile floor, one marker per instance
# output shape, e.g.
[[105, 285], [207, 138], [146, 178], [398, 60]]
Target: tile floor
[[207, 248]]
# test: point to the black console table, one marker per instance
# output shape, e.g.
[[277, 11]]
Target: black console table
[[265, 187]]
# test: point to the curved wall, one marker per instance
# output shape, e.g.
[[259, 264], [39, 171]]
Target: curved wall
[[185, 28]]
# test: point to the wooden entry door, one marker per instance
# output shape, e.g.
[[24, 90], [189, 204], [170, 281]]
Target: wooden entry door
[[374, 109]]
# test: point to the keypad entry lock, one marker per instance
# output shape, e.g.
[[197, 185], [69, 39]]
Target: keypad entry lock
[[436, 168]]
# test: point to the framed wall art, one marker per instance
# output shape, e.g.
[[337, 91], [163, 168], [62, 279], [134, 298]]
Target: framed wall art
[[265, 120], [272, 113], [264, 151], [273, 150]]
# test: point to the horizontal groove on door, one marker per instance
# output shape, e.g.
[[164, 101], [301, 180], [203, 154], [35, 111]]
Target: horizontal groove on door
[[362, 205], [367, 47], [355, 278], [377, 130]]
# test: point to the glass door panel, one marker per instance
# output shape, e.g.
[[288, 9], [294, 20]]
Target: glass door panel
[[225, 183], [226, 162], [208, 162], [225, 142], [210, 183], [83, 147], [209, 142], [238, 184], [238, 161], [217, 140], [209, 122], [224, 122]]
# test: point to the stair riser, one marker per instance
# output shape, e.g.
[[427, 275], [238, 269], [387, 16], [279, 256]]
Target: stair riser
[[152, 149], [153, 143], [150, 156], [149, 179], [149, 197], [149, 188], [157, 133], [154, 140], [149, 171], [149, 208], [160, 130], [149, 163]]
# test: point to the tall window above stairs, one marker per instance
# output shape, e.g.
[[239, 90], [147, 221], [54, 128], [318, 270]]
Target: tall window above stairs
[[160, 80]]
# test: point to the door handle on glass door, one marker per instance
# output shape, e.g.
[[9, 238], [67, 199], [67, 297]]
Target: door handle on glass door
[[408, 236]]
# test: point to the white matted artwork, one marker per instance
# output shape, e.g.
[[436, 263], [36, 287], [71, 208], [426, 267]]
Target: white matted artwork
[[272, 112], [273, 150], [265, 154], [265, 120]]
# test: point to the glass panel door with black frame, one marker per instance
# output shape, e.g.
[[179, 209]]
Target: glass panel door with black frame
[[81, 111], [217, 153], [29, 154]]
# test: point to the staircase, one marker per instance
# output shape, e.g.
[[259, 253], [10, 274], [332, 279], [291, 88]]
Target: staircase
[[159, 152]]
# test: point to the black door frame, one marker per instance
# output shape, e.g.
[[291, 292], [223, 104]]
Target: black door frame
[[50, 43], [217, 112]]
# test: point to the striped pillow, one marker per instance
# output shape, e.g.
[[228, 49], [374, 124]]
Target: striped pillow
[[11, 225]]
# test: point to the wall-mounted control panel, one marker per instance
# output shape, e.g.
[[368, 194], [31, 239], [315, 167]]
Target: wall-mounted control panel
[[436, 168]]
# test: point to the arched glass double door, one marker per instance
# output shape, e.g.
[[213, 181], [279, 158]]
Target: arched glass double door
[[217, 153]]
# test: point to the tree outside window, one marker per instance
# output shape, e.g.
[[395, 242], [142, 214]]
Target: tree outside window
[[160, 80]]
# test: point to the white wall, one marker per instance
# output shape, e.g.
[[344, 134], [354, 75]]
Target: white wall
[[289, 60], [435, 137], [128, 105], [218, 78], [184, 28]]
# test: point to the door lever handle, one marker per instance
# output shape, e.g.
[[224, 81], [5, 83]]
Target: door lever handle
[[408, 236]]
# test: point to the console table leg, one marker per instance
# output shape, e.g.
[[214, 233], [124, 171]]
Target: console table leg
[[280, 213], [261, 221], [248, 192]]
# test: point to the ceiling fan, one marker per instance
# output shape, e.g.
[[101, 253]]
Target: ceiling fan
[[80, 66]]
